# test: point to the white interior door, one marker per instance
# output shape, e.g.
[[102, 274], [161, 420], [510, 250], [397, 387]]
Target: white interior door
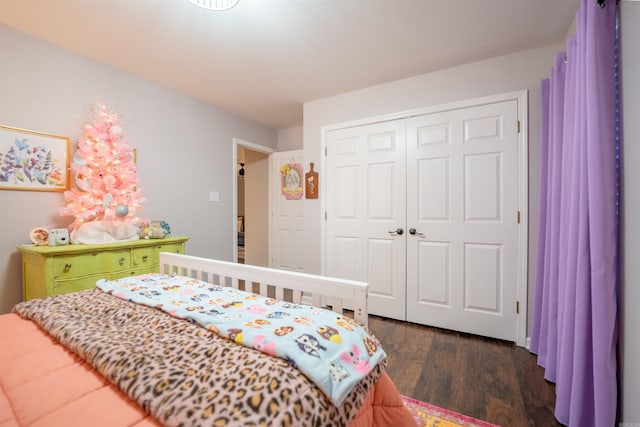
[[287, 217], [462, 181], [365, 205]]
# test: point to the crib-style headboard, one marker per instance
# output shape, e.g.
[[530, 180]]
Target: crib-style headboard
[[302, 287]]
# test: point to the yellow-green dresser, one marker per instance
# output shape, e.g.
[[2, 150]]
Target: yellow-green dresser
[[55, 270]]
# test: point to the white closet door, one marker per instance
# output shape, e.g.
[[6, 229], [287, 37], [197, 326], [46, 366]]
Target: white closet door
[[462, 186], [365, 204]]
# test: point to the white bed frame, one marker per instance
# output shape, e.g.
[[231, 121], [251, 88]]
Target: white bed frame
[[332, 291]]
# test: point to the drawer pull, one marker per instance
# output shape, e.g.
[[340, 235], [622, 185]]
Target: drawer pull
[[121, 261], [67, 267], [145, 258]]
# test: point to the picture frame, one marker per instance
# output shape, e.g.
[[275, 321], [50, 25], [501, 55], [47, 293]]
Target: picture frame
[[33, 161]]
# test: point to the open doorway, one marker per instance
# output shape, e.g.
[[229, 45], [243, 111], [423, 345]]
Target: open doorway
[[251, 203]]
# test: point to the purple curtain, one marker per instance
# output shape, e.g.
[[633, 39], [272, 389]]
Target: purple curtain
[[574, 332]]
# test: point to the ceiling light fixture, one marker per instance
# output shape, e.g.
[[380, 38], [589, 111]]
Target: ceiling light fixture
[[215, 4]]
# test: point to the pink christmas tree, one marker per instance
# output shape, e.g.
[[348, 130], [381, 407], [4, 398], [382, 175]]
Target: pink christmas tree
[[104, 172]]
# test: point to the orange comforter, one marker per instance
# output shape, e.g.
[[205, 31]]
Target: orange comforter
[[44, 384]]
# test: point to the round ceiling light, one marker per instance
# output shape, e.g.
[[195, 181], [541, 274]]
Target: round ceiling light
[[215, 4]]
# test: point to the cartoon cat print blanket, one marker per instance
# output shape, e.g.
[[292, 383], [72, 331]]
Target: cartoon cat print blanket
[[333, 351]]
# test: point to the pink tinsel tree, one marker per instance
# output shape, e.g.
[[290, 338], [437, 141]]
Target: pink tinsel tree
[[104, 172]]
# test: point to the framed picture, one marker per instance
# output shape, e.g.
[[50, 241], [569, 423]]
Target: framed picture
[[32, 160]]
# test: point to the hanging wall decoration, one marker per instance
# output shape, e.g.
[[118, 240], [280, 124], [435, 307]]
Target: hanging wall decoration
[[291, 180], [311, 183]]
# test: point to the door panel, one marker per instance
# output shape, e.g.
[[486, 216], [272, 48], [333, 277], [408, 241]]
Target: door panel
[[462, 178], [433, 185], [434, 264], [483, 278], [366, 200], [482, 187], [287, 222]]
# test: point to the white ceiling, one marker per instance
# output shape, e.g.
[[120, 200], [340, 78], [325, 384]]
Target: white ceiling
[[264, 58]]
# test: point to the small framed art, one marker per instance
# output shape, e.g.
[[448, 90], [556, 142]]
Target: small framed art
[[291, 180], [31, 160]]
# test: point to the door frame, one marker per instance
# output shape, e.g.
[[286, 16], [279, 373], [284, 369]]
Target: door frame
[[237, 142], [521, 97]]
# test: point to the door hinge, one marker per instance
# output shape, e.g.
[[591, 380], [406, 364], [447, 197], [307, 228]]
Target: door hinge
[[325, 151], [517, 307], [325, 215], [518, 217], [518, 126]]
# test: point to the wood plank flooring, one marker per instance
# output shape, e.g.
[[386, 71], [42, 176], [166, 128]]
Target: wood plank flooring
[[488, 379]]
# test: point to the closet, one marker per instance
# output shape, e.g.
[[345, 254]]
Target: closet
[[428, 208]]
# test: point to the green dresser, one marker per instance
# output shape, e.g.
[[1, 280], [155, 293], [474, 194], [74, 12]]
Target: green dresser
[[55, 270]]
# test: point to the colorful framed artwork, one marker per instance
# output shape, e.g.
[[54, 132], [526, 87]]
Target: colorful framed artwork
[[32, 160], [291, 180]]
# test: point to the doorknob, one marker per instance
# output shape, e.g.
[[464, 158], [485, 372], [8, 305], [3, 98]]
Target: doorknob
[[398, 231], [413, 231]]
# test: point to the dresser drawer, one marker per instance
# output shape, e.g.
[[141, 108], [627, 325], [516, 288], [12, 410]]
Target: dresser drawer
[[75, 285], [149, 256], [88, 282], [91, 263], [144, 257], [176, 248]]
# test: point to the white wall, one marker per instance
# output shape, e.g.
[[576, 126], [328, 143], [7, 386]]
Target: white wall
[[184, 147], [630, 267], [520, 71], [290, 139]]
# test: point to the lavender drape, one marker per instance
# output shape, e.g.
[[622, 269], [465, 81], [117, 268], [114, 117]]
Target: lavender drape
[[574, 332]]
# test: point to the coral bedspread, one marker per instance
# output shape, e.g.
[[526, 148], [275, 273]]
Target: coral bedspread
[[179, 372]]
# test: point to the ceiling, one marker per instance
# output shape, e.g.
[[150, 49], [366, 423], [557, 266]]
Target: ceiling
[[264, 58]]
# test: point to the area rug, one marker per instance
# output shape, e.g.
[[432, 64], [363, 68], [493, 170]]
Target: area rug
[[427, 415]]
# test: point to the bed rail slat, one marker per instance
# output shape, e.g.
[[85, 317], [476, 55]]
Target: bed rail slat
[[336, 305], [297, 296], [316, 299]]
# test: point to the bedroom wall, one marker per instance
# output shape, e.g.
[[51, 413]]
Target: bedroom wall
[[290, 139], [630, 291], [520, 71], [184, 147]]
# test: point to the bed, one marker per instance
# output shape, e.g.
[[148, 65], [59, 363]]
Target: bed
[[202, 342]]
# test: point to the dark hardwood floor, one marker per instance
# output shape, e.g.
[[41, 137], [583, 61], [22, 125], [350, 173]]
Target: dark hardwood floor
[[488, 379]]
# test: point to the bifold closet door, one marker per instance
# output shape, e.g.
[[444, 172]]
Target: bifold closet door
[[462, 185], [365, 211], [425, 209]]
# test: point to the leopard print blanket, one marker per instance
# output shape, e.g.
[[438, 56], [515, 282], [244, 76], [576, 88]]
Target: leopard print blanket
[[183, 374]]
